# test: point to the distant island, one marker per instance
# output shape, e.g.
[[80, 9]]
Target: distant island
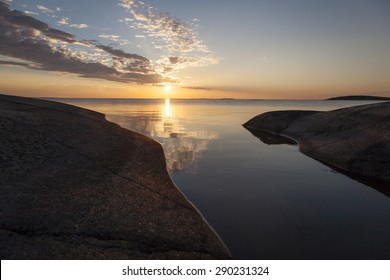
[[359, 97]]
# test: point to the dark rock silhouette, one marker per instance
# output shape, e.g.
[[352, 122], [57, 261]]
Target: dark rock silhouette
[[354, 140], [359, 97], [75, 186]]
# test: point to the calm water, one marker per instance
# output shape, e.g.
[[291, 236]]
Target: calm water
[[265, 201]]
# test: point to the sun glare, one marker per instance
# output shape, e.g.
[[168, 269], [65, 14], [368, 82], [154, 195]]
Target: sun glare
[[168, 88]]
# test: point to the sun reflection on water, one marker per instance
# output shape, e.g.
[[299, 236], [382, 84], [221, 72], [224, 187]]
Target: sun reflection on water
[[168, 110], [169, 124]]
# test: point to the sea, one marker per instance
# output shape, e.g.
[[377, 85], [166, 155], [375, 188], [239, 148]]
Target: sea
[[265, 201]]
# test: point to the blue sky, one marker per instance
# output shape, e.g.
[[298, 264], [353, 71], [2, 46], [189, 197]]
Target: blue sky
[[250, 49]]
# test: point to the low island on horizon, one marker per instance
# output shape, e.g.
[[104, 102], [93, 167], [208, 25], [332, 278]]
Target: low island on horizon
[[359, 97]]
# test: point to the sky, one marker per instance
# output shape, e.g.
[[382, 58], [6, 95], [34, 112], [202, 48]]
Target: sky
[[271, 49]]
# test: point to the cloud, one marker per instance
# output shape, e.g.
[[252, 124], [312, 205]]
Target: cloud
[[44, 48], [177, 41], [128, 4], [18, 18], [65, 22], [122, 54], [59, 35], [30, 13], [173, 60], [45, 10], [15, 63], [79, 26], [115, 38]]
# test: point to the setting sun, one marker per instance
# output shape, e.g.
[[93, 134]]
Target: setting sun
[[168, 88]]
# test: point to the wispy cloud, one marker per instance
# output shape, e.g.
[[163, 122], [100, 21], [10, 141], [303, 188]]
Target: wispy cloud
[[115, 38], [198, 88], [79, 26], [30, 13], [16, 63], [43, 48], [177, 41], [45, 10], [65, 22]]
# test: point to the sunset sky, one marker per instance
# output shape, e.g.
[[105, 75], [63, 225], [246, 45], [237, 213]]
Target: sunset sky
[[195, 48]]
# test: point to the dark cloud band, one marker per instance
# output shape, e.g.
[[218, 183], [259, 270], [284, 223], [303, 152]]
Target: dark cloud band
[[27, 38]]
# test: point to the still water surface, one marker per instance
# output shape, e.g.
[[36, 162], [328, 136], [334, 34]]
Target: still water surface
[[265, 201]]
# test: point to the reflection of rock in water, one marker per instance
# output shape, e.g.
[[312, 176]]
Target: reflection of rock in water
[[183, 147], [270, 138]]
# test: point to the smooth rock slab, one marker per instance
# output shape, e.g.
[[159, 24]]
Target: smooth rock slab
[[75, 186], [355, 140]]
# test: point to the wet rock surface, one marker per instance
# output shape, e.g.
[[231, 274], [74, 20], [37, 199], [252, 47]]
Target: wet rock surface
[[75, 186], [355, 140]]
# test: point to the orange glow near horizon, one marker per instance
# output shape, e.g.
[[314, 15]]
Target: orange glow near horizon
[[42, 84]]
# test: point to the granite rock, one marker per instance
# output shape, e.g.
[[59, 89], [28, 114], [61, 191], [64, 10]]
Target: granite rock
[[75, 186], [355, 140]]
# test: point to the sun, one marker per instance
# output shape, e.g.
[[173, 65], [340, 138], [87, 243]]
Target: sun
[[168, 88]]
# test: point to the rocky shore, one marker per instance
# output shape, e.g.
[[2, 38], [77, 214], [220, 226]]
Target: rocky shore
[[354, 140], [75, 186]]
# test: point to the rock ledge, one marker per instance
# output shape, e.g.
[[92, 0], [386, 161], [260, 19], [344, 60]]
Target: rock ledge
[[75, 186], [355, 140]]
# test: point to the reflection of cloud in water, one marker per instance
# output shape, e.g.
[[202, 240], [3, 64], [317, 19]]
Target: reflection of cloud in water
[[183, 146]]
